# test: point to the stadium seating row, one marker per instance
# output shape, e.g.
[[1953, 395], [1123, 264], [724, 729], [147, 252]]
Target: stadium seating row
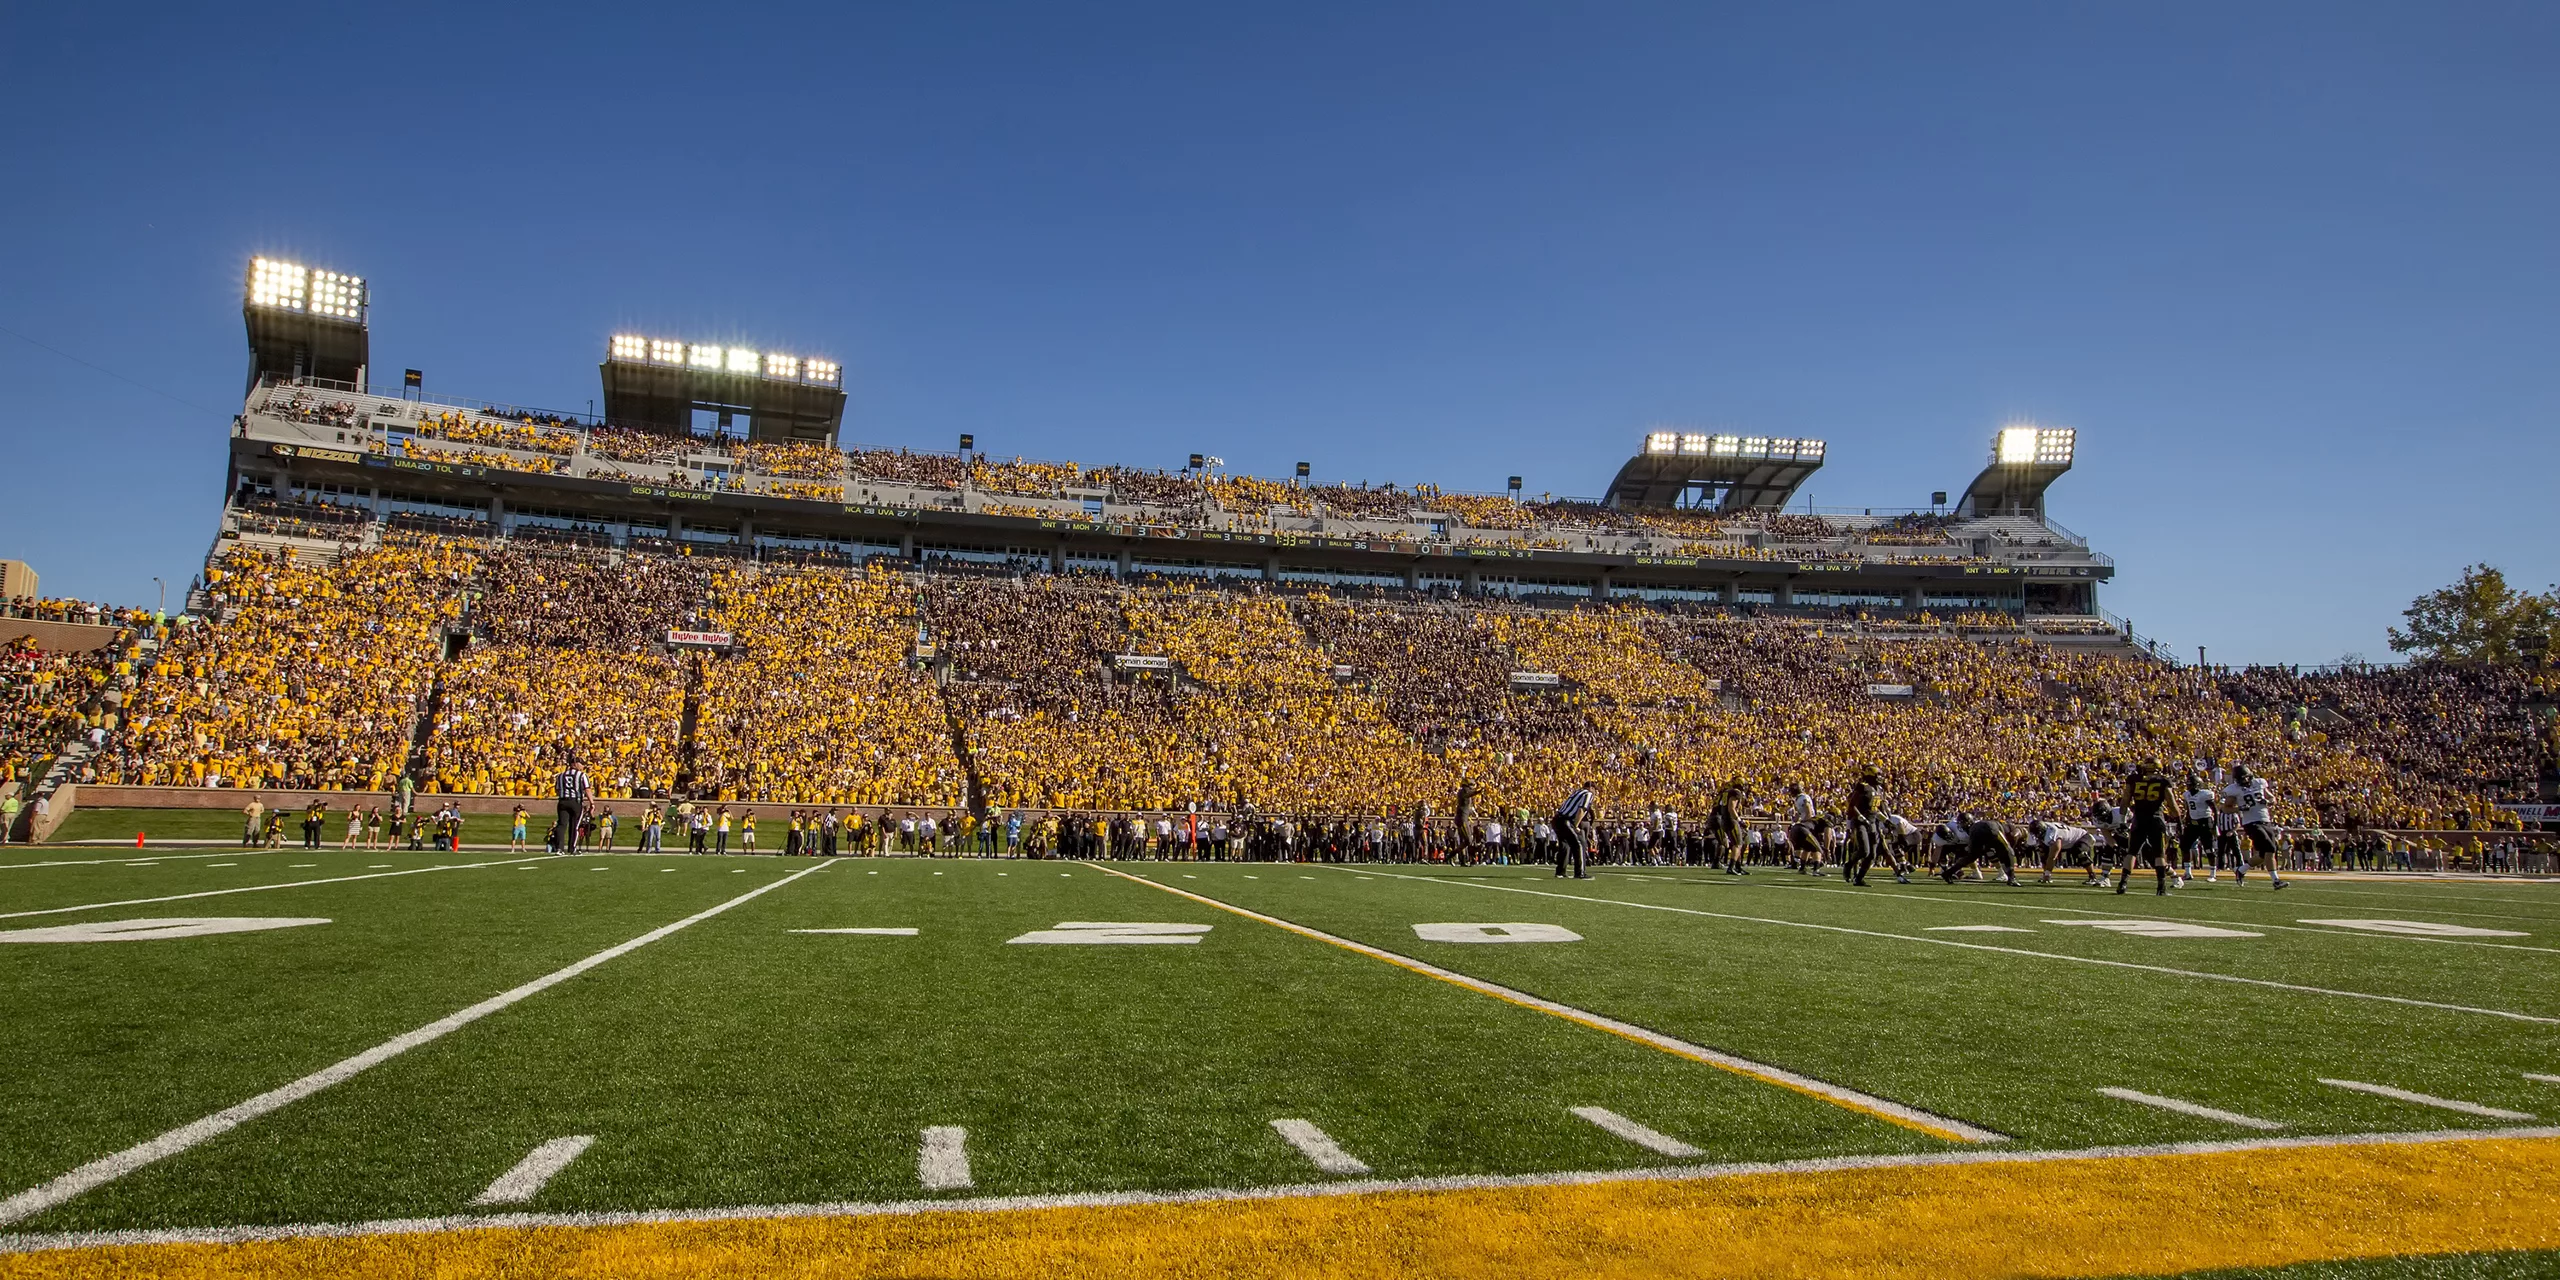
[[1311, 703]]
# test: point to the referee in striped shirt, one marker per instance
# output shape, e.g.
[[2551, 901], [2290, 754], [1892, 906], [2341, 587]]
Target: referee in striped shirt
[[1572, 824], [573, 786]]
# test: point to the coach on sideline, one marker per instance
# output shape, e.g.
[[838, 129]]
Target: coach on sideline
[[572, 787]]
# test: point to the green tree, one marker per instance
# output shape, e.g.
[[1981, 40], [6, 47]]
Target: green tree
[[2478, 619]]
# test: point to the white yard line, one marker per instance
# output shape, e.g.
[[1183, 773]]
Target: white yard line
[[1651, 1139], [2138, 915], [2427, 1099], [522, 1183], [1319, 1147], [1884, 1109], [256, 888], [2186, 1108], [942, 1159], [107, 1169], [144, 857], [2546, 1079], [2200, 974], [54, 1241]]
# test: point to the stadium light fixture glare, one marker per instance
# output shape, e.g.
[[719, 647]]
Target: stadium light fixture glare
[[1661, 442], [662, 351], [741, 360], [2055, 445], [277, 284], [1693, 443], [705, 357], [1725, 446], [628, 346], [781, 366], [2017, 444], [1810, 450], [823, 371], [1755, 446]]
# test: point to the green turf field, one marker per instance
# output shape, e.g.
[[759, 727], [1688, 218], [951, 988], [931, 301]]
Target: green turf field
[[737, 1061]]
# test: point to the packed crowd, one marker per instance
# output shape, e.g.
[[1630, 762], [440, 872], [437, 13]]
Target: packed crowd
[[1912, 529], [65, 609], [817, 702], [2452, 736], [541, 464], [648, 448], [303, 674], [791, 459], [873, 687], [47, 698], [526, 432]]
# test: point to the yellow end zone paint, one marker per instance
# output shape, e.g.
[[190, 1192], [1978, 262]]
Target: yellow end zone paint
[[2100, 1216]]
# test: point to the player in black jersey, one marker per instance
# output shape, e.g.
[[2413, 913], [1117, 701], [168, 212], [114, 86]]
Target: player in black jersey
[[1724, 829], [2147, 792], [1983, 839], [1866, 828]]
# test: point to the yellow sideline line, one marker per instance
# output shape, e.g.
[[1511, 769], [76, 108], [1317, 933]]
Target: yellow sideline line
[[1839, 1096], [2100, 1216]]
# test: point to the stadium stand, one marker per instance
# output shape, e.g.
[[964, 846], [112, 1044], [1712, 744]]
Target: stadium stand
[[886, 686], [297, 673]]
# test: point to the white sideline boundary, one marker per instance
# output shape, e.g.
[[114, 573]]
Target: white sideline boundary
[[1909, 1117], [106, 1169], [257, 888], [1984, 946], [46, 1242]]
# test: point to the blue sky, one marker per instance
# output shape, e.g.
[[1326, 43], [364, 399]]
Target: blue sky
[[2289, 269]]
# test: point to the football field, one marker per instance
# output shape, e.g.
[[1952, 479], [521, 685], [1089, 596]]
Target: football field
[[373, 1062]]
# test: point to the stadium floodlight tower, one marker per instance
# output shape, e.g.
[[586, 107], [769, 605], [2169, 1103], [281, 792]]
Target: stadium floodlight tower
[[666, 385], [2025, 461], [1727, 472], [304, 323]]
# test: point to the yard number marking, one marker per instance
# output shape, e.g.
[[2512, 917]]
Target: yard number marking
[[148, 930], [1111, 933], [2420, 928], [2160, 928], [1495, 933]]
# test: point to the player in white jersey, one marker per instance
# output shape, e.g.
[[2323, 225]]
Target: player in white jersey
[[2195, 832], [1906, 842], [2053, 842], [2246, 798]]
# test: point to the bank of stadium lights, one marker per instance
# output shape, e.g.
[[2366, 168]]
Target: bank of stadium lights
[[290, 286], [711, 357], [1695, 444], [2036, 446]]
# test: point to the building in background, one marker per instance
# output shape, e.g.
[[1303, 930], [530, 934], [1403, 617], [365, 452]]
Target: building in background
[[17, 580]]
